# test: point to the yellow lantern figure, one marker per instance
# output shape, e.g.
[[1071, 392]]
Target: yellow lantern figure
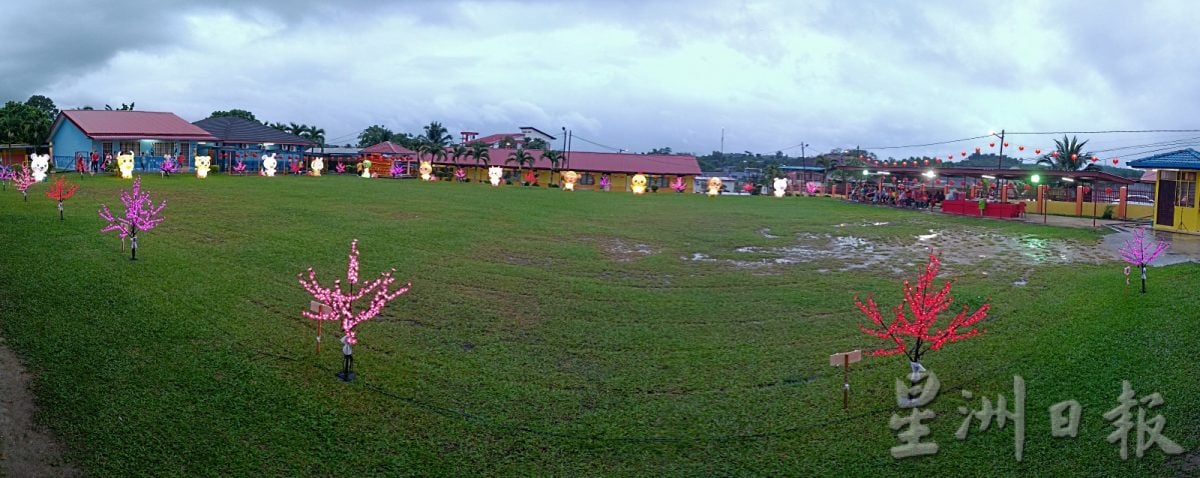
[[366, 164], [317, 165], [780, 185], [125, 165], [203, 164], [269, 164], [494, 175], [569, 179], [638, 183], [714, 186], [426, 170], [39, 164]]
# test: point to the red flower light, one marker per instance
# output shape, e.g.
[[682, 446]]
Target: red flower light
[[1107, 190]]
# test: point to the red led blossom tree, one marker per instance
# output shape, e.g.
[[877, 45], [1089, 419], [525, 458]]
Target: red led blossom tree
[[140, 215], [912, 332], [294, 167], [340, 303], [1137, 252], [60, 192], [22, 180]]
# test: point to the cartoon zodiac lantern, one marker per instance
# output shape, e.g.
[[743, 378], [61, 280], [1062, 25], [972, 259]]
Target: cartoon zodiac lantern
[[317, 165], [269, 164], [638, 183], [125, 165], [780, 185], [203, 164], [426, 170], [714, 186], [40, 163], [569, 179], [494, 175]]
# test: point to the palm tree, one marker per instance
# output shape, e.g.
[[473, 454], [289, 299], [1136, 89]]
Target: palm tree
[[519, 156], [479, 152], [317, 135], [457, 152], [826, 163], [1070, 155], [436, 134], [296, 129], [554, 157]]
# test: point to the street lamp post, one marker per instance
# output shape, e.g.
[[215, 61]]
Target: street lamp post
[[803, 162], [999, 162]]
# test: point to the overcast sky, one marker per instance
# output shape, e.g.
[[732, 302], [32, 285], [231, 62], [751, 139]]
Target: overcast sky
[[631, 74]]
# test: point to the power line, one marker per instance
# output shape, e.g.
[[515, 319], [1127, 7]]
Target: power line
[[575, 136]]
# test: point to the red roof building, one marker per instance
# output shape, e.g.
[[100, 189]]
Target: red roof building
[[149, 135]]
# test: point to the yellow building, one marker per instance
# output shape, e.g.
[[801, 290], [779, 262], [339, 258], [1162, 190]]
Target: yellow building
[[1175, 207], [661, 170]]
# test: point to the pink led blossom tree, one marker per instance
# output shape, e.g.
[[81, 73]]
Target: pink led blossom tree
[[341, 302], [294, 167], [678, 184], [239, 168], [924, 304], [1139, 253], [340, 168], [168, 166], [22, 180], [6, 175], [60, 192], [397, 170], [140, 215]]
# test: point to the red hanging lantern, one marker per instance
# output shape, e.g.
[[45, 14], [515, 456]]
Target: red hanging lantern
[[976, 150], [1021, 148], [1006, 144], [1115, 161], [950, 157], [1055, 154], [1095, 158], [1027, 187], [1074, 157], [1037, 151], [963, 154], [861, 156], [939, 160], [927, 162], [254, 155], [991, 145], [1107, 190]]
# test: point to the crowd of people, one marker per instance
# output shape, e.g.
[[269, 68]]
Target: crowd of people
[[899, 197]]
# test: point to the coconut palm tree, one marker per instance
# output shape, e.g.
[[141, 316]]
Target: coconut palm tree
[[436, 134], [1070, 155], [457, 152], [479, 152], [554, 157], [521, 157]]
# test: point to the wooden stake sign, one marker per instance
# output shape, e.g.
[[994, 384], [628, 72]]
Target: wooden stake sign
[[320, 309], [844, 359]]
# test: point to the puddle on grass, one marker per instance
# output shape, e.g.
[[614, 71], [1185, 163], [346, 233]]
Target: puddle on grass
[[766, 232], [620, 250], [963, 248]]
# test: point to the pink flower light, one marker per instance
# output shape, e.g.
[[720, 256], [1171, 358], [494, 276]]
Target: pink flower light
[[340, 302], [140, 215]]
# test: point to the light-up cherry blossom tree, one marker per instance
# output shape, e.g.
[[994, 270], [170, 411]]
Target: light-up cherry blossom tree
[[916, 336], [22, 180], [140, 215], [168, 166], [6, 175], [1139, 253], [239, 167], [341, 303], [61, 192]]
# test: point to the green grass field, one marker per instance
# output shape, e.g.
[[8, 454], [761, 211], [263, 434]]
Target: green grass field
[[555, 334]]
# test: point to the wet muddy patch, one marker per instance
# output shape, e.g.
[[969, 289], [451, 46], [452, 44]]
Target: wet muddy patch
[[622, 250], [900, 254]]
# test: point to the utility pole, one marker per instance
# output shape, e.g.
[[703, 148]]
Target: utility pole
[[803, 162], [722, 141]]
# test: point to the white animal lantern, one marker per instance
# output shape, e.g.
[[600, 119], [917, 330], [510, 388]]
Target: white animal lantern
[[317, 165], [203, 164], [269, 164], [494, 175], [39, 164], [780, 186], [569, 180], [125, 165]]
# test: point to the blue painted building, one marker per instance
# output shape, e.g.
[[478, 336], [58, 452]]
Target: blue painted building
[[148, 135]]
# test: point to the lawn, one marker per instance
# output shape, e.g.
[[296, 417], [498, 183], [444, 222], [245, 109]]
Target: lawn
[[562, 334]]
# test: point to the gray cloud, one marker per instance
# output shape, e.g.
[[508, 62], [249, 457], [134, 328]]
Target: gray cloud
[[631, 74]]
